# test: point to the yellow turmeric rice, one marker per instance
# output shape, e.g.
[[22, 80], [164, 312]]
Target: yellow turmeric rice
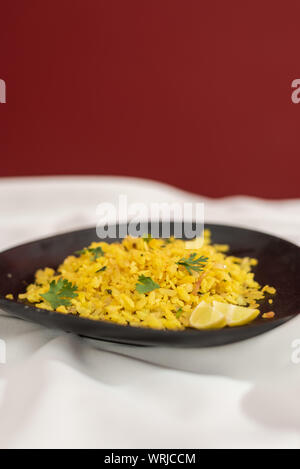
[[146, 282]]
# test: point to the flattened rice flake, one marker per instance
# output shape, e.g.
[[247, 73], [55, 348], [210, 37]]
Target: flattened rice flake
[[106, 286]]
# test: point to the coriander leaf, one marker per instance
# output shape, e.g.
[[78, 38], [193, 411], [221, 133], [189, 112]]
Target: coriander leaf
[[97, 252], [191, 263], [82, 251], [60, 292], [178, 313], [147, 238], [145, 284]]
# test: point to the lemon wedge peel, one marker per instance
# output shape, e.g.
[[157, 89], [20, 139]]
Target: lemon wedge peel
[[236, 315], [205, 316], [218, 315]]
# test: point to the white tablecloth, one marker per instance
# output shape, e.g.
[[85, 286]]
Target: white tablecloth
[[62, 391]]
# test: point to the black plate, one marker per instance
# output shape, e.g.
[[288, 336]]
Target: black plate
[[279, 265]]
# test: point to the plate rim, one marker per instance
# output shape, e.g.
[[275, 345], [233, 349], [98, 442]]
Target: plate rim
[[110, 327]]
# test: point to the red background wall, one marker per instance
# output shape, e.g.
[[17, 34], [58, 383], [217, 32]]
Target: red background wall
[[194, 93]]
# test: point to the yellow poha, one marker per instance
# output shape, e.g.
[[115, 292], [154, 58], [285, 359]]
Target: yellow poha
[[105, 284]]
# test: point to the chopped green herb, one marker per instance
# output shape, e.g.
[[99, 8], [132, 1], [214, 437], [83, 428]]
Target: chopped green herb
[[146, 284], [191, 263], [102, 269], [178, 313], [82, 251], [60, 292], [96, 252], [147, 238]]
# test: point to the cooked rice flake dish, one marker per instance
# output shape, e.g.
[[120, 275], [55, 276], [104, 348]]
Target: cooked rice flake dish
[[153, 283]]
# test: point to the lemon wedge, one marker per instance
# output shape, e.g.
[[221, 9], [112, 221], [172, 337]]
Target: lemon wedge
[[235, 315], [205, 316]]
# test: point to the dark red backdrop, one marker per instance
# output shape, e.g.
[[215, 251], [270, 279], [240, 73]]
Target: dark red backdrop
[[194, 93]]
